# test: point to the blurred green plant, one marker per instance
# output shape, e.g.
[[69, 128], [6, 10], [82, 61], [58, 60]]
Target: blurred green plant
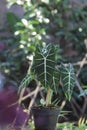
[[30, 29], [46, 20], [64, 126], [12, 60], [71, 126]]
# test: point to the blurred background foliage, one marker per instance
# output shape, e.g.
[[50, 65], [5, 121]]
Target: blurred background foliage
[[46, 21]]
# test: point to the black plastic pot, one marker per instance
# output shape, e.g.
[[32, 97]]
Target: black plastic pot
[[45, 118]]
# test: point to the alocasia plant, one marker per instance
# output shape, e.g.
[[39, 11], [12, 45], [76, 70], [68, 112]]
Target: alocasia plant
[[44, 69]]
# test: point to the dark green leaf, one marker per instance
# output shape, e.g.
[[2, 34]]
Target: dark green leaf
[[68, 80], [44, 64]]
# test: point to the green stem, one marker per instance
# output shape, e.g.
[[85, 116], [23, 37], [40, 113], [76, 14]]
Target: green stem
[[49, 96]]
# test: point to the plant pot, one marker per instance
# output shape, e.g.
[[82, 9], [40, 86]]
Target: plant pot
[[45, 118]]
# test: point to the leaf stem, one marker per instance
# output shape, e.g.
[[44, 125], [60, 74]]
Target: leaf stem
[[49, 96]]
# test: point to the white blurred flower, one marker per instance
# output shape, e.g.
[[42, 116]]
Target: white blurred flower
[[25, 22], [30, 57], [45, 1], [34, 33], [80, 29], [38, 36], [21, 46], [46, 20], [19, 2], [16, 33]]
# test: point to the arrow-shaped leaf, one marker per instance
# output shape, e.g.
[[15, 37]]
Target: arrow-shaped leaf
[[68, 79]]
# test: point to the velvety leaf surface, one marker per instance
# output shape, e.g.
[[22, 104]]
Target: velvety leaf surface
[[44, 65], [68, 80]]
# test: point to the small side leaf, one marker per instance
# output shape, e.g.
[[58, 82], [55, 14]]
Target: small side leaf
[[68, 80], [42, 102], [24, 83], [82, 93]]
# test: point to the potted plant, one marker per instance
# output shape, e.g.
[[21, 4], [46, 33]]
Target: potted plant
[[44, 70]]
